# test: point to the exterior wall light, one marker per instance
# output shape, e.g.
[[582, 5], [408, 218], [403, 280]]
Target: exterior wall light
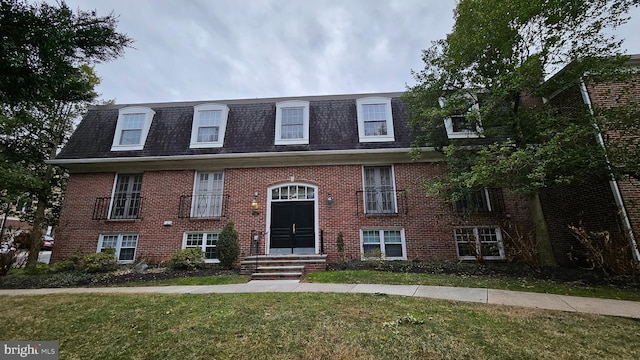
[[329, 199], [254, 204]]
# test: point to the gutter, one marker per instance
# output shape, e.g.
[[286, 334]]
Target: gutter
[[617, 195]]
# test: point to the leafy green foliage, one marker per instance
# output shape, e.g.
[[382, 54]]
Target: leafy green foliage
[[46, 55], [228, 246], [187, 259], [497, 57], [99, 262]]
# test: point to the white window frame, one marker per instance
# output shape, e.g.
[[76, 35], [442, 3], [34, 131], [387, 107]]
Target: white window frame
[[205, 235], [196, 193], [393, 191], [130, 202], [148, 118], [381, 231], [119, 245], [478, 242], [484, 192], [389, 119], [305, 118], [224, 114], [466, 133]]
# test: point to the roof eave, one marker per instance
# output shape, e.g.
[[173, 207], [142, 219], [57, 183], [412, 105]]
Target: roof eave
[[248, 160]]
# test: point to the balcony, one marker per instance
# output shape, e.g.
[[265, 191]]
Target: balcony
[[484, 201], [203, 206], [381, 202], [118, 208]]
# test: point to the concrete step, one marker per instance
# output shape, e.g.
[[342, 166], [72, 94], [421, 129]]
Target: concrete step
[[276, 276], [299, 268]]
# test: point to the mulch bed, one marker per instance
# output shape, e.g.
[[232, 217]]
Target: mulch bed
[[573, 275]]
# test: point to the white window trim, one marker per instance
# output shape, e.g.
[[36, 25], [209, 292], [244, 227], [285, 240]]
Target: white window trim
[[393, 184], [305, 118], [148, 118], [382, 248], [465, 134], [374, 101], [479, 243], [194, 194], [224, 109], [204, 242], [119, 245], [113, 195]]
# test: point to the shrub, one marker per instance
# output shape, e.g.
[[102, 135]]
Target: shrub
[[22, 240], [187, 259], [606, 252], [6, 262], [99, 262], [228, 246]]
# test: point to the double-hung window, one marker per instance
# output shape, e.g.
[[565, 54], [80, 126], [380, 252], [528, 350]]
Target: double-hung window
[[132, 128], [477, 201], [209, 125], [292, 123], [379, 190], [205, 241], [126, 200], [460, 126], [124, 245], [383, 243], [207, 195], [479, 241], [375, 121]]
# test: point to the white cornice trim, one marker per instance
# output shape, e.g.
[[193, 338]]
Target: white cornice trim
[[246, 160]]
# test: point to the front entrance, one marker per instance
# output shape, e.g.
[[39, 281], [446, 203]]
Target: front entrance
[[292, 228]]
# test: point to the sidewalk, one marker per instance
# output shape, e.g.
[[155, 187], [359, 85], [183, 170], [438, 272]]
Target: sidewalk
[[629, 309]]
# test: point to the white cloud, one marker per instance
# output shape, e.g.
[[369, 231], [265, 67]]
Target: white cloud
[[207, 50]]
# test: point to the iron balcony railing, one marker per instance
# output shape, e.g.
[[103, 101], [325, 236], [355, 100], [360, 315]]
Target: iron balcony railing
[[381, 201], [203, 206], [483, 201], [118, 208]]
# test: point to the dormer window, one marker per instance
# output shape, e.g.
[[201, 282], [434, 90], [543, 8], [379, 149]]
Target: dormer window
[[375, 122], [292, 123], [460, 126], [132, 128], [209, 125]]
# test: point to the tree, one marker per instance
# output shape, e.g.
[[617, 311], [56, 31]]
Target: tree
[[492, 69], [46, 83], [228, 247]]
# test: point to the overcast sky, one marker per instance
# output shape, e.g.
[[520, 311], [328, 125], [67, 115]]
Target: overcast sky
[[188, 50]]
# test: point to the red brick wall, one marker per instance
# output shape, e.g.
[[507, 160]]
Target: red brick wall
[[428, 224]]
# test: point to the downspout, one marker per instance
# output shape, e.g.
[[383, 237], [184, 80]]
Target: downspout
[[617, 195]]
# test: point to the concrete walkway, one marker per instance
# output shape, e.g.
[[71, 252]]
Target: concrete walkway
[[629, 309]]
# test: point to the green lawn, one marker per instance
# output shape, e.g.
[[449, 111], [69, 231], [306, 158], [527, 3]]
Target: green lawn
[[382, 277], [309, 326], [193, 280]]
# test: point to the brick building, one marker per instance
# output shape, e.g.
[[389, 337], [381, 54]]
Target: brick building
[[607, 204], [291, 173]]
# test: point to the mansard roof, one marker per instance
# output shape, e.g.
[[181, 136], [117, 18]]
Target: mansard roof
[[250, 128]]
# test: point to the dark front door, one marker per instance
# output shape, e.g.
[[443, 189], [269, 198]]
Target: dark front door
[[292, 225]]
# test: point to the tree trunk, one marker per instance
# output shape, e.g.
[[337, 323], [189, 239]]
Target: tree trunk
[[543, 239], [39, 220], [36, 233]]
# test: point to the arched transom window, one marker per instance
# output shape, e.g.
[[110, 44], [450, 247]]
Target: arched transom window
[[292, 193]]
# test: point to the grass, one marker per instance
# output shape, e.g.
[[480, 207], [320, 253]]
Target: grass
[[541, 286], [309, 326], [192, 280]]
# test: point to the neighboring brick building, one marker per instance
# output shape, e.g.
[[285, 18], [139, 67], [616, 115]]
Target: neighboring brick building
[[597, 204], [293, 173]]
